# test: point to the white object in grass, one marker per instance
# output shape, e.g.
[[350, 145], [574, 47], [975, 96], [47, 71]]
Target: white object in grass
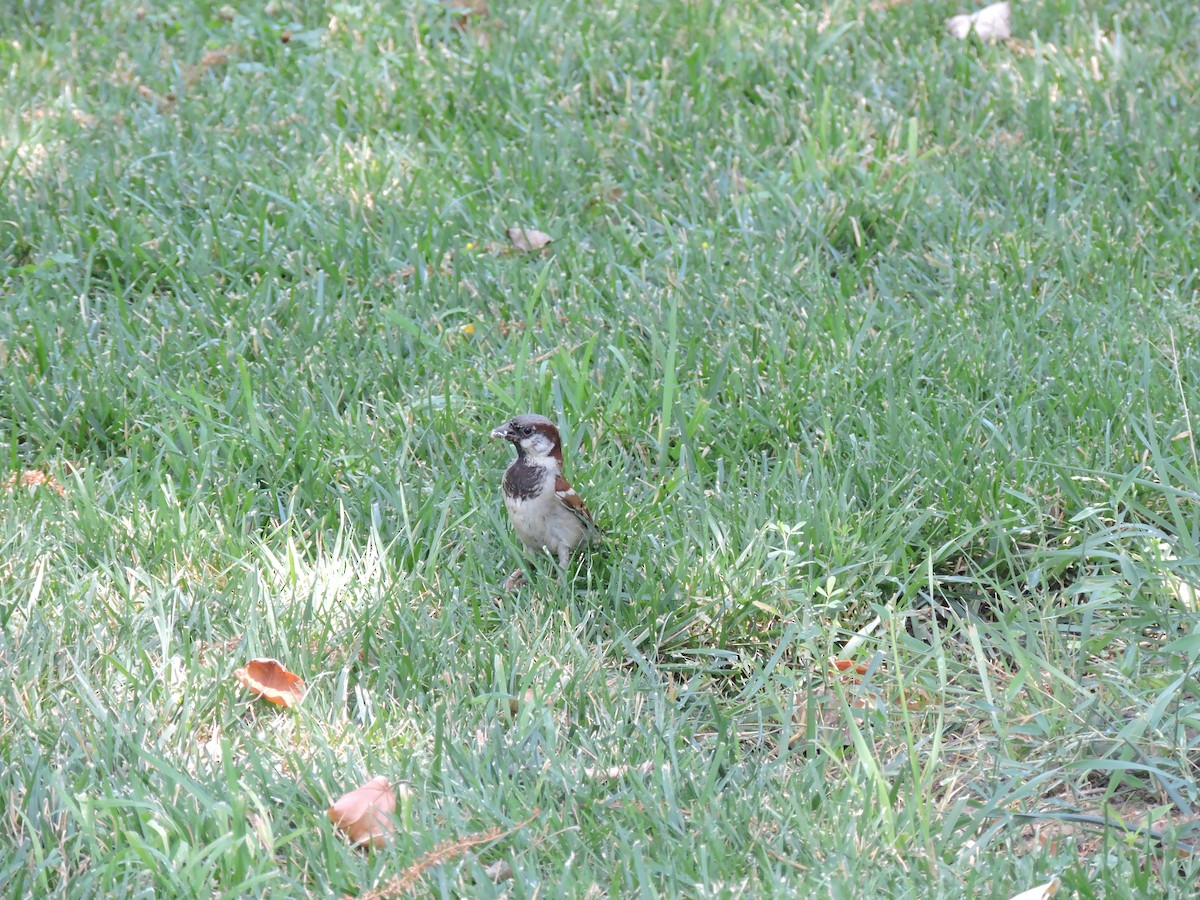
[[992, 23]]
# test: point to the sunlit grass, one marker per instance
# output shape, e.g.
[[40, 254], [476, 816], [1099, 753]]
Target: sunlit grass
[[867, 343]]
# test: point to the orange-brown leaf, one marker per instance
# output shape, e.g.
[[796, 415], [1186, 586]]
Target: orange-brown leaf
[[843, 665], [365, 814], [270, 680], [32, 478]]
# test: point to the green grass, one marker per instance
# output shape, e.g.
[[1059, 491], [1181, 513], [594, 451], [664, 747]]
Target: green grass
[[867, 342]]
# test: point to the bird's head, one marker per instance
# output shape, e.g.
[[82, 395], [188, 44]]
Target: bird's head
[[535, 437]]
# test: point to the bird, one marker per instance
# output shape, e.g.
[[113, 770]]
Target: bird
[[547, 514]]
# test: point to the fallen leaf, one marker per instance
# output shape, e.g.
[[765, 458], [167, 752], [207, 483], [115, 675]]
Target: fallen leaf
[[270, 680], [32, 478], [527, 240], [843, 665], [992, 23], [365, 814], [468, 329], [1041, 892]]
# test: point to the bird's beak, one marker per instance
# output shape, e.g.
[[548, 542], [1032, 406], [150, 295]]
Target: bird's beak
[[501, 432]]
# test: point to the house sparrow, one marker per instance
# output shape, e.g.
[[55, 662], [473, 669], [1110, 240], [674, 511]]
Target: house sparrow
[[546, 512]]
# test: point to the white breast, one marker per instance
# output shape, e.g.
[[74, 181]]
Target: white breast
[[544, 523]]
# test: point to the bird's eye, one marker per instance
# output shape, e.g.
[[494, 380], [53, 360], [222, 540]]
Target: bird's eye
[[527, 430]]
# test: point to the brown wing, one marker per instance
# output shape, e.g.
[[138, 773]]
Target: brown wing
[[571, 500]]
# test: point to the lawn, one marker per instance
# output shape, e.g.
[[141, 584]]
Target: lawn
[[869, 345]]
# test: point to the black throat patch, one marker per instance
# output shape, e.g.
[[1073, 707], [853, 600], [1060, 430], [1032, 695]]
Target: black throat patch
[[523, 481]]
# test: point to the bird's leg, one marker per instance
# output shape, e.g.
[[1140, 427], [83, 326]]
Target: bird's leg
[[515, 580], [564, 560]]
